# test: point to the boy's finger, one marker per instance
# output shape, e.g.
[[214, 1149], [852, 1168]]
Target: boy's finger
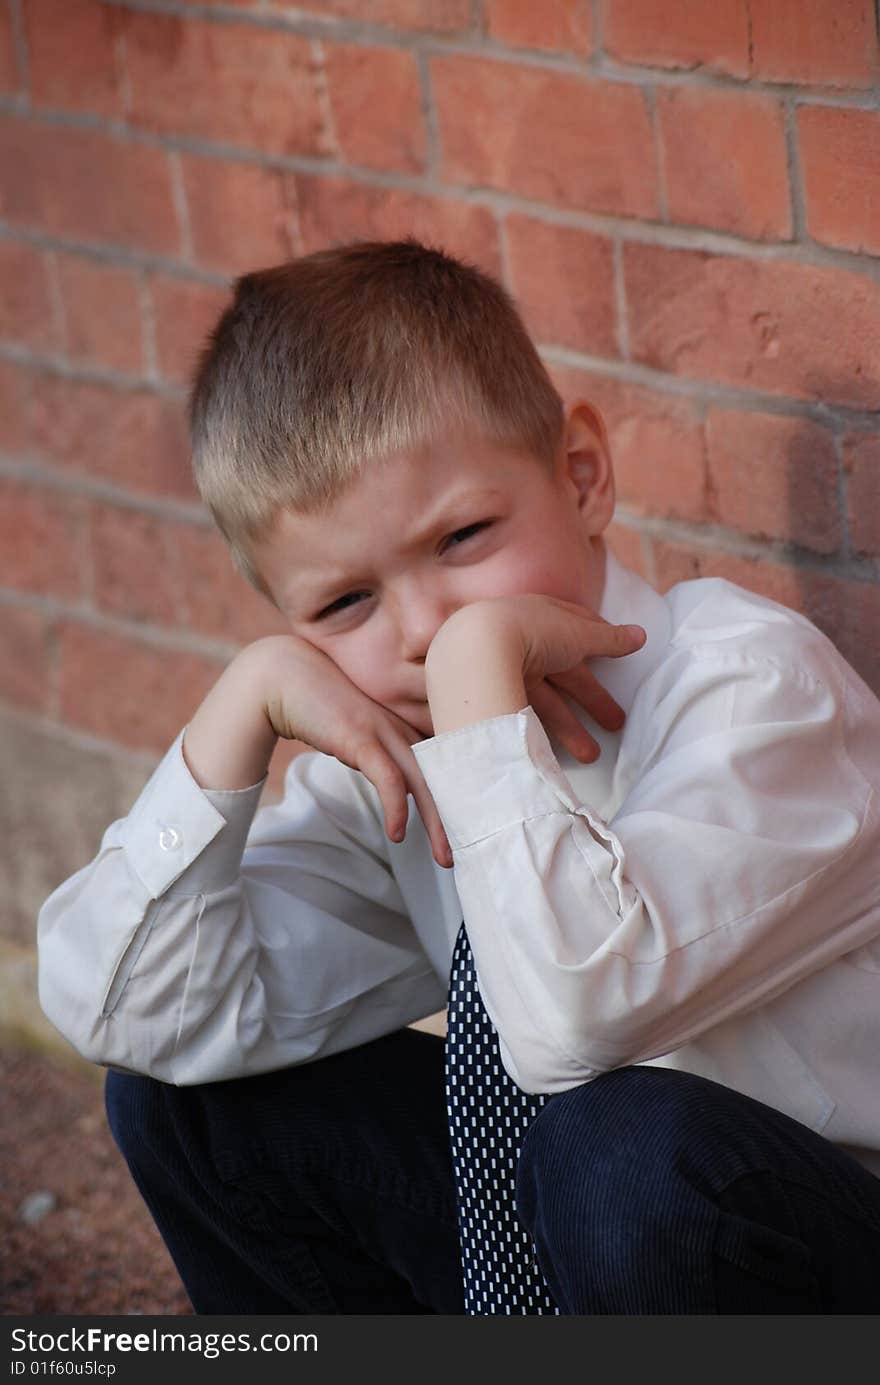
[[431, 818], [561, 724], [629, 637], [401, 753], [389, 782], [608, 638], [583, 685], [601, 639], [440, 848]]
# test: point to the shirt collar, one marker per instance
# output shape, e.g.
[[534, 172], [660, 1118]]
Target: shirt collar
[[628, 600]]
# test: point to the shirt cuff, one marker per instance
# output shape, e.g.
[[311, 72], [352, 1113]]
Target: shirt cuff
[[180, 834], [493, 774]]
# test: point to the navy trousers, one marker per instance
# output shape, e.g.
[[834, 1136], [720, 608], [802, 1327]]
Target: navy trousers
[[327, 1188]]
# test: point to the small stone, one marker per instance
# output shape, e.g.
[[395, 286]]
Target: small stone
[[36, 1206]]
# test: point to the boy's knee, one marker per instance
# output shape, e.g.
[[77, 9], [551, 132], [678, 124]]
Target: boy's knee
[[627, 1125], [599, 1166]]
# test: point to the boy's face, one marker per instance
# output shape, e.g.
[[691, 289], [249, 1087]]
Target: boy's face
[[370, 581]]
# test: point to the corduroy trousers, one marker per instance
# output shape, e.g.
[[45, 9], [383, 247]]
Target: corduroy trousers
[[327, 1188]]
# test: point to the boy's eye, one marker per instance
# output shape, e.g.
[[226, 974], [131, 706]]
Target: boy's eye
[[342, 603], [469, 530]]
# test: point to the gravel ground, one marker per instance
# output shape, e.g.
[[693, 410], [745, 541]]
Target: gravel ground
[[76, 1237]]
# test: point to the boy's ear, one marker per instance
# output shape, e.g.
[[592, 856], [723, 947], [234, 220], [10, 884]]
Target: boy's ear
[[586, 459]]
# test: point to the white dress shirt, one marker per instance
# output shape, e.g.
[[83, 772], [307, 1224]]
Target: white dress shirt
[[705, 896]]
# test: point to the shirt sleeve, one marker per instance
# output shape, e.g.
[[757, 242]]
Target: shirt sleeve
[[209, 939], [737, 863]]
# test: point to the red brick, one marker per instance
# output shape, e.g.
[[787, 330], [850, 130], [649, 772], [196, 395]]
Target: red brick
[[774, 477], [135, 693], [130, 564], [861, 462], [554, 136], [658, 450], [72, 56], [333, 210], [376, 102], [554, 25], [15, 395], [23, 145], [725, 160], [680, 563], [769, 325], [9, 79], [87, 186], [656, 443], [238, 83], [832, 42], [238, 214], [39, 540], [840, 155], [848, 613], [185, 313], [563, 280], [26, 313], [25, 659], [215, 599], [679, 33], [433, 16], [102, 313], [135, 439]]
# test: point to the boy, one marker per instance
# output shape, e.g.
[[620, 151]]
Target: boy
[[674, 921]]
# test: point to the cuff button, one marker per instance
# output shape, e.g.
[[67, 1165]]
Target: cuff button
[[170, 838]]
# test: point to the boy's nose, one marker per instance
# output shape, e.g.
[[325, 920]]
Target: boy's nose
[[420, 617], [416, 639]]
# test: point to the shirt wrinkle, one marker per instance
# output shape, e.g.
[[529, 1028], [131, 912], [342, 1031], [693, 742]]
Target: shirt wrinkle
[[564, 812], [747, 659]]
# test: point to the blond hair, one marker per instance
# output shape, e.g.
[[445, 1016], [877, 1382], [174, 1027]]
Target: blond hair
[[351, 355]]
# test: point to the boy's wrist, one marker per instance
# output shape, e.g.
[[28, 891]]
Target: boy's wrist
[[473, 671], [228, 744]]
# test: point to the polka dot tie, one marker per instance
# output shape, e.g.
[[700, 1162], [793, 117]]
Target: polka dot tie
[[488, 1118]]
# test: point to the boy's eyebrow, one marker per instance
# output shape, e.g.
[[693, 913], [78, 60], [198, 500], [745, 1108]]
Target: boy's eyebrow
[[329, 580]]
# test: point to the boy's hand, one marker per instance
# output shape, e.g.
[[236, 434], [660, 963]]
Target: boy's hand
[[306, 697], [495, 655]]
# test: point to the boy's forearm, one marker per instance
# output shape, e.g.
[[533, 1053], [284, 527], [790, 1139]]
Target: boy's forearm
[[230, 740], [471, 677]]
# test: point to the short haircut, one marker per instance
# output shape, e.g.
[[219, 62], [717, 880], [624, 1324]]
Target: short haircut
[[351, 355]]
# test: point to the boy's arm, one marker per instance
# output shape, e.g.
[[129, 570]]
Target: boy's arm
[[208, 939], [737, 864]]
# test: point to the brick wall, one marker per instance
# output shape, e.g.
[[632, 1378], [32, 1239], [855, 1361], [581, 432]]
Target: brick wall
[[684, 197]]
